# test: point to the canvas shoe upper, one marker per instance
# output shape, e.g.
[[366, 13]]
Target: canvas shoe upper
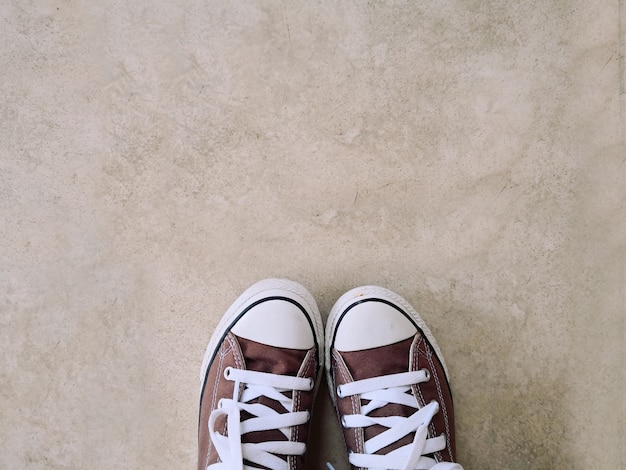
[[388, 381], [258, 380]]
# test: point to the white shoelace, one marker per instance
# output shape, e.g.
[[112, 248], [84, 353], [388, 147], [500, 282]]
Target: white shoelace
[[381, 391], [231, 450]]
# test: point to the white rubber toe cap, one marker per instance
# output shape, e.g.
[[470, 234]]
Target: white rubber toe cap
[[371, 324], [277, 323]]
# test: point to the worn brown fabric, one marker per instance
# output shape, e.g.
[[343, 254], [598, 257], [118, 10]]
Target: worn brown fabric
[[264, 358], [216, 387], [437, 388], [350, 405], [246, 354], [412, 354]]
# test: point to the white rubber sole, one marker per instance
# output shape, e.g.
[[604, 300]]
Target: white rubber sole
[[258, 291], [359, 294]]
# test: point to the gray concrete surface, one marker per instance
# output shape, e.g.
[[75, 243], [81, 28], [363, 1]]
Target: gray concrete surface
[[156, 158]]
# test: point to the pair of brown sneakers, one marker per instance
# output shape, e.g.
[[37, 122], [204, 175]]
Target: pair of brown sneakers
[[385, 373]]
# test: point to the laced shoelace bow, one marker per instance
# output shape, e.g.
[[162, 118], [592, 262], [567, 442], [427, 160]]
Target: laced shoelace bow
[[230, 448], [381, 391]]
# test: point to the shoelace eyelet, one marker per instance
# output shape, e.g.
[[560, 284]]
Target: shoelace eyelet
[[227, 372], [427, 373]]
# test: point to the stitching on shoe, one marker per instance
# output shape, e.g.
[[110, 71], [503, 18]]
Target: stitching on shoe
[[358, 432], [230, 346], [221, 355], [238, 362], [416, 366], [431, 426], [442, 403], [295, 434], [422, 401]]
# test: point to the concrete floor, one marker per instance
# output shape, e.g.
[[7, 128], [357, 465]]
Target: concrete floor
[[156, 158]]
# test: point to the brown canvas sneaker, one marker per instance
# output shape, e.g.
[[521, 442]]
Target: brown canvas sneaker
[[388, 381], [259, 377]]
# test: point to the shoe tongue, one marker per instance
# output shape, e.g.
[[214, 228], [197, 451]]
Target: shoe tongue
[[263, 358], [376, 362], [385, 360]]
